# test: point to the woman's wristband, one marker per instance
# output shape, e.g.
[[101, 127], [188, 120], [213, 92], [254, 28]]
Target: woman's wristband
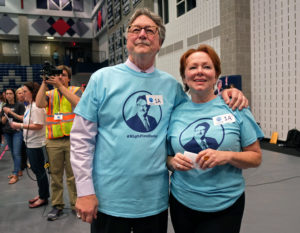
[[21, 126]]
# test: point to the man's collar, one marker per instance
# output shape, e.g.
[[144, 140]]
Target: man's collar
[[134, 67]]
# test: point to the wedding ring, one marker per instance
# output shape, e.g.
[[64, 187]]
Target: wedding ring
[[205, 158]]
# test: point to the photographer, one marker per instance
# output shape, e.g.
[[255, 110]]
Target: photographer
[[59, 104]]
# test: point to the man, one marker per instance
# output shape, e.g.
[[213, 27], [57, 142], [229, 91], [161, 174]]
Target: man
[[56, 57], [121, 175], [59, 104], [200, 142], [141, 121], [219, 89]]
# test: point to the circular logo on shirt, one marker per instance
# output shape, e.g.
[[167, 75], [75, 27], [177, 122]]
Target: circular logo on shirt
[[139, 113], [202, 134]]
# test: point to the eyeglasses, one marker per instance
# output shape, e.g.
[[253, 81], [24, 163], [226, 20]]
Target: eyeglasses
[[135, 29]]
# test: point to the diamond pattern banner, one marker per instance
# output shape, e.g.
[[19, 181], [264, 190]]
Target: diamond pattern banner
[[71, 22], [51, 30], [6, 24], [60, 26], [41, 26], [80, 28]]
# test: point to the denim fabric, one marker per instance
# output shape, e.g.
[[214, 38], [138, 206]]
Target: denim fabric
[[37, 161], [14, 142]]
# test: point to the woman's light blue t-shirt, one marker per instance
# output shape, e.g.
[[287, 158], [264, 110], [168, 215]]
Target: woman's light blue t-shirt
[[217, 188]]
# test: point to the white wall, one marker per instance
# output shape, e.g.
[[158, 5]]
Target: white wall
[[205, 16], [275, 65]]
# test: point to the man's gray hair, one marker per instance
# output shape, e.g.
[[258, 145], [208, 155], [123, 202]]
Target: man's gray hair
[[154, 17]]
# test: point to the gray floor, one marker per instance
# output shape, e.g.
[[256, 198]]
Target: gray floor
[[272, 201]]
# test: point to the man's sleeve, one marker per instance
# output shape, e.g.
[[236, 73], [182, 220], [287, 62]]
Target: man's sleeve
[[83, 141], [170, 150], [180, 96], [88, 105]]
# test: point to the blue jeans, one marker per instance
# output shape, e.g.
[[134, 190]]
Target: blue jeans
[[14, 142], [37, 161]]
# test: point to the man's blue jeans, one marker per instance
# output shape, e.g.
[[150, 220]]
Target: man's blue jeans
[[14, 142]]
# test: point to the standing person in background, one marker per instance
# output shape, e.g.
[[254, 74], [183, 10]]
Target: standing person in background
[[21, 99], [13, 111], [2, 103], [207, 186], [219, 89], [20, 95], [33, 127], [82, 87], [56, 57], [59, 104], [114, 162], [2, 98]]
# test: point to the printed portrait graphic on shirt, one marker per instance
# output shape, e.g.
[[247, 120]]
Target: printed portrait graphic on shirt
[[201, 135], [142, 111]]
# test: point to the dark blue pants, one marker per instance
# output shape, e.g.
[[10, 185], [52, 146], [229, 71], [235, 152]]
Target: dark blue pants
[[109, 224], [186, 220], [37, 161]]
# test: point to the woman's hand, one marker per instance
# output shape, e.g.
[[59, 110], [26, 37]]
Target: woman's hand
[[15, 125], [180, 162], [249, 157], [6, 110], [210, 158]]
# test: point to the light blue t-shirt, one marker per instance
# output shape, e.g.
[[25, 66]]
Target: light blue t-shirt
[[196, 127], [132, 110]]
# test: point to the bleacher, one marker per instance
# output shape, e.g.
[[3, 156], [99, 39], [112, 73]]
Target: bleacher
[[14, 76]]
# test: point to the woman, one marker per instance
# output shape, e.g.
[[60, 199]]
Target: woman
[[20, 95], [13, 111], [2, 103], [34, 137], [21, 99], [212, 144], [219, 89]]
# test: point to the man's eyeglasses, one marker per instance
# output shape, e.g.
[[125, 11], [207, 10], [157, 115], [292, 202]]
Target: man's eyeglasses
[[149, 30]]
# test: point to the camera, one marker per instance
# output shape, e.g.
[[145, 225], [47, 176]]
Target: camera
[[50, 70]]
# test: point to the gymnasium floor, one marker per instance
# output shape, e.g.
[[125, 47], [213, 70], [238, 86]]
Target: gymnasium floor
[[272, 200]]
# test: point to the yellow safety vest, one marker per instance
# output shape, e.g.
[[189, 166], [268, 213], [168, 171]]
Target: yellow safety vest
[[58, 104]]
